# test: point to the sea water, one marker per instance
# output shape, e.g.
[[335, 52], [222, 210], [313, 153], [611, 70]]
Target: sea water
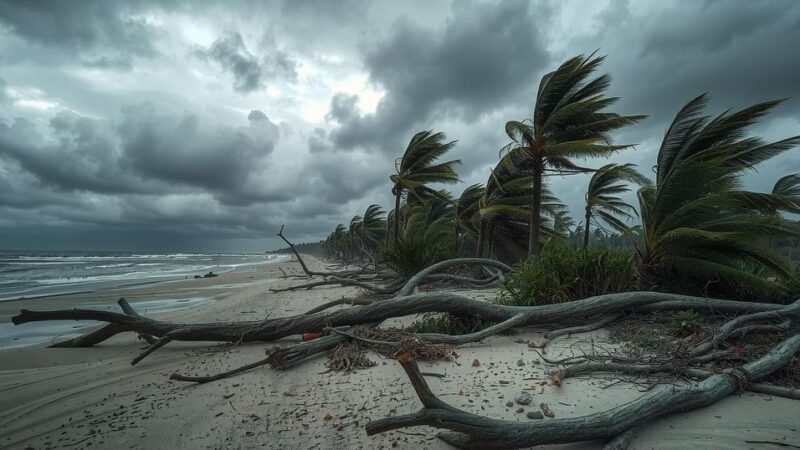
[[36, 274]]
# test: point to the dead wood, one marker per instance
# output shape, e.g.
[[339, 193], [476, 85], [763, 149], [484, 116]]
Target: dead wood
[[272, 329], [469, 430]]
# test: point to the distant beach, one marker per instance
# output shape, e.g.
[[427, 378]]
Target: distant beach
[[38, 274], [152, 283]]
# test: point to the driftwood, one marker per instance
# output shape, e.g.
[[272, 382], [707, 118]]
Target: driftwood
[[272, 329]]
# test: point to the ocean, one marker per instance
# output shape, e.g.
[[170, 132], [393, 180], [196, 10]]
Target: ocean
[[36, 274]]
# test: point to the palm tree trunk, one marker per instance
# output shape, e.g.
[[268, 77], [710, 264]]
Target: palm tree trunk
[[536, 207], [397, 214], [586, 231], [491, 240], [479, 242]]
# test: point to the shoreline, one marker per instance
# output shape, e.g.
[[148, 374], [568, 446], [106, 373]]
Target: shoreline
[[124, 282], [148, 298], [81, 396]]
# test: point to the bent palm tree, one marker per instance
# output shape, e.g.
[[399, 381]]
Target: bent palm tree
[[506, 202], [602, 199], [697, 221], [373, 226], [465, 214], [788, 187], [568, 122], [418, 167]]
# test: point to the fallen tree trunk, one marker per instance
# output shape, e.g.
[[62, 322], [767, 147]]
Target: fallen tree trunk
[[473, 431], [272, 329]]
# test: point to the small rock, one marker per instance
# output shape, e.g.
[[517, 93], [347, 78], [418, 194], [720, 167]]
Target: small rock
[[476, 363], [524, 398], [535, 415], [546, 410], [509, 404], [520, 363], [520, 410], [328, 416], [519, 341]]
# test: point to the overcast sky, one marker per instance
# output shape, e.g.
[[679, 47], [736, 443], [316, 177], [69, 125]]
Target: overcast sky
[[204, 126]]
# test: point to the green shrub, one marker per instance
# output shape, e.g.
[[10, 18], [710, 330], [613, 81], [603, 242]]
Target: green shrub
[[684, 322], [562, 273], [413, 253]]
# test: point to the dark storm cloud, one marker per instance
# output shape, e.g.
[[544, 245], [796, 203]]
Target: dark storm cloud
[[249, 71], [144, 152], [184, 150], [740, 52], [484, 55], [82, 155], [343, 107], [102, 32]]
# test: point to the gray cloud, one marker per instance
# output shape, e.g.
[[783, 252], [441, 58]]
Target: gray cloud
[[102, 33], [164, 154], [343, 107], [184, 150], [5, 98], [249, 72], [484, 55]]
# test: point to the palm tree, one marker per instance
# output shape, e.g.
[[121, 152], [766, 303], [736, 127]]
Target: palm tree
[[698, 223], [431, 215], [563, 223], [601, 199], [418, 167], [506, 201], [373, 226], [353, 236], [789, 187], [466, 210], [568, 122]]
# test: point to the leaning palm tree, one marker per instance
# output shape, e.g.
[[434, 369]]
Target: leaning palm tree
[[466, 209], [699, 225], [602, 200], [353, 236], [419, 167], [788, 187], [505, 205], [568, 122], [373, 226]]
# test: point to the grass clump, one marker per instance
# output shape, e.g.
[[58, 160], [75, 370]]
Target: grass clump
[[562, 273]]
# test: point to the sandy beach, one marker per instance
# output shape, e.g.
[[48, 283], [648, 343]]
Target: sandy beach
[[94, 398]]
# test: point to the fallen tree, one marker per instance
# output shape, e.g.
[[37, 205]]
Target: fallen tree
[[474, 431]]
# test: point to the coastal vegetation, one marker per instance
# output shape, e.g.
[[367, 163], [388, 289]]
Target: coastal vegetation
[[694, 253]]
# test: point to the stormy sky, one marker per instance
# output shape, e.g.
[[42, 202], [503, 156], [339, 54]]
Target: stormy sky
[[204, 126]]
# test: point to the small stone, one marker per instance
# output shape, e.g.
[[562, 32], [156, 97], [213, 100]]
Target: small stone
[[546, 410], [535, 415], [520, 410], [520, 363], [476, 363], [328, 416], [519, 341], [509, 404], [524, 398]]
